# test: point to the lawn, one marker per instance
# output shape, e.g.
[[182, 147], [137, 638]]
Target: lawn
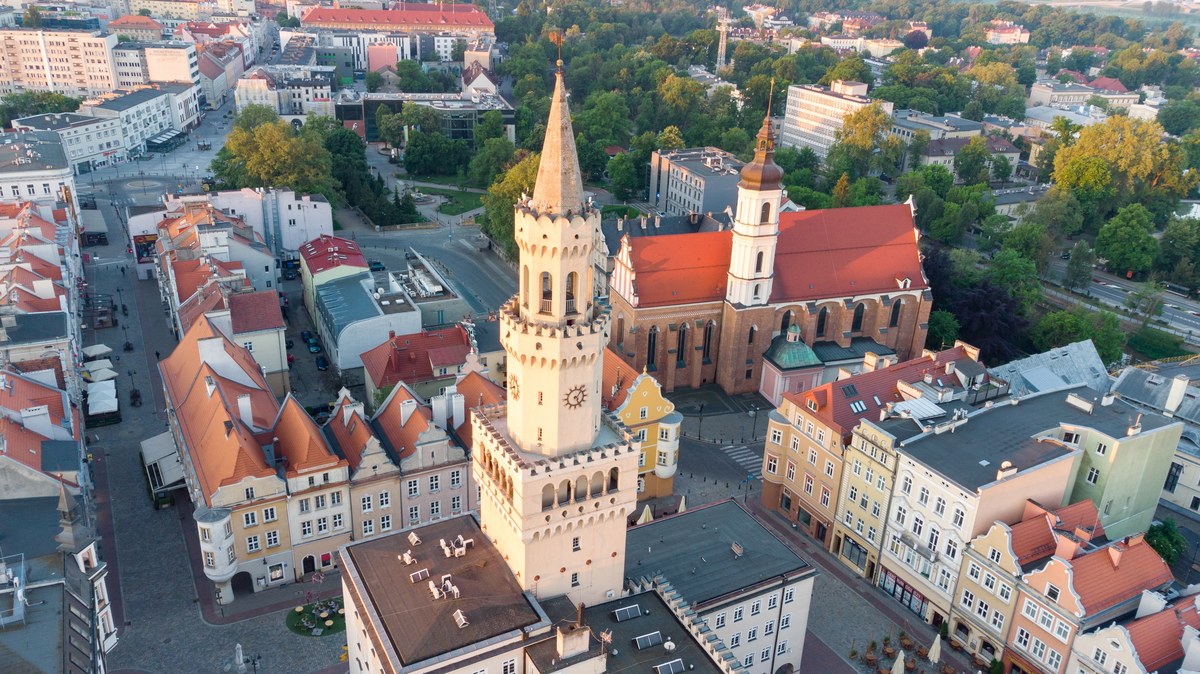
[[1155, 344], [295, 619], [457, 202]]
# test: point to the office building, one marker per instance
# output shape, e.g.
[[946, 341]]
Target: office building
[[815, 114], [695, 180]]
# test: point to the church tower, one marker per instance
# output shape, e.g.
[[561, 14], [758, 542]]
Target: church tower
[[557, 473], [756, 225]]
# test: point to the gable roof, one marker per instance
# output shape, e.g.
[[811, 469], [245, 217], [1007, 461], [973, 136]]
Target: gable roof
[[135, 21], [616, 380], [1109, 84], [1033, 538], [349, 429], [680, 268], [477, 391], [400, 434], [301, 443], [256, 311], [1157, 638], [410, 358], [1117, 573], [327, 252]]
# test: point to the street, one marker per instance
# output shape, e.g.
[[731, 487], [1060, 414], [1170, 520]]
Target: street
[[1179, 312]]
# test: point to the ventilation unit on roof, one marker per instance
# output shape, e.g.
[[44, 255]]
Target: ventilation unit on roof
[[627, 613], [418, 576], [407, 557], [738, 550], [460, 619]]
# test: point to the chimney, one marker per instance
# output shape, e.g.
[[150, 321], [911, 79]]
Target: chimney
[[1065, 546], [620, 224], [1151, 602], [441, 410], [458, 409], [1179, 386], [1136, 427], [570, 640], [37, 419], [1007, 469], [245, 411], [1108, 399], [228, 427], [407, 407], [950, 367], [391, 335], [870, 361], [1115, 552]]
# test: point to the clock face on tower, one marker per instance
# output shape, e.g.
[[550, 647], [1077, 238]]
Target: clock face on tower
[[514, 387], [575, 396]]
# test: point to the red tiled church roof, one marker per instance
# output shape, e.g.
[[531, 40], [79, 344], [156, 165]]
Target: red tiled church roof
[[444, 16]]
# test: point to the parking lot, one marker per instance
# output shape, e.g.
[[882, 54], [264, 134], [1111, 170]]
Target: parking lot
[[310, 386]]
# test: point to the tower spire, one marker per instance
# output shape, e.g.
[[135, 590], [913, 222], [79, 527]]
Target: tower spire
[[559, 187], [762, 173]]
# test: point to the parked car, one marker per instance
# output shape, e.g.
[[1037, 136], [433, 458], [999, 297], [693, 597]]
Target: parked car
[[375, 265], [306, 336], [314, 346], [322, 363], [289, 275]]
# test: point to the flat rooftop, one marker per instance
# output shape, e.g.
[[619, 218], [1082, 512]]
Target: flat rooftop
[[56, 121], [1009, 429], [24, 151], [694, 550], [420, 627], [655, 618]]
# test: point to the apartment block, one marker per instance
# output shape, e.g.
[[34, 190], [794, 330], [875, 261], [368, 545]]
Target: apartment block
[[136, 27], [695, 180], [75, 63], [34, 167], [283, 219], [88, 142], [1071, 94], [168, 9], [288, 90], [150, 116], [140, 63], [815, 114]]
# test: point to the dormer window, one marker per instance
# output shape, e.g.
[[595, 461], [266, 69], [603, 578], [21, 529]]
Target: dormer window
[[812, 404]]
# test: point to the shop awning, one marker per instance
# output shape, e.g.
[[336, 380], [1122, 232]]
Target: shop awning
[[96, 351], [103, 375], [161, 459]]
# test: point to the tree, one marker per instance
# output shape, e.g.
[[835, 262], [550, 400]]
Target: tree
[[1078, 274], [147, 12], [1030, 240], [1126, 242], [622, 176], [429, 153], [670, 138], [15, 106], [971, 162], [281, 18], [605, 119], [490, 125], [1018, 276], [32, 18], [1065, 130], [271, 154], [1001, 168], [1178, 243], [1167, 540], [916, 39], [943, 330], [849, 69], [502, 196], [1145, 301], [253, 116], [374, 81], [990, 318], [490, 160], [1059, 328], [864, 140], [841, 192], [390, 126]]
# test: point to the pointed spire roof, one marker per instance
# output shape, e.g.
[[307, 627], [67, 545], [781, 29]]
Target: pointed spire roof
[[762, 173], [559, 187]]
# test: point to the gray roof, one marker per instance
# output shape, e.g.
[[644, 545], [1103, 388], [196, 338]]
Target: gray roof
[[131, 99], [1005, 432], [832, 352], [614, 230], [487, 336], [60, 455], [43, 326], [655, 616], [345, 301], [29, 526], [419, 626], [1019, 195], [1077, 363], [693, 550], [23, 151], [1150, 389], [56, 121]]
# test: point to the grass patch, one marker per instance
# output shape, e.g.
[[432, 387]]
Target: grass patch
[[439, 180], [614, 211], [1155, 344], [457, 202], [295, 620]]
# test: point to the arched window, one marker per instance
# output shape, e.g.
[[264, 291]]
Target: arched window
[[652, 348], [572, 278], [525, 287], [681, 347], [614, 476], [757, 290], [859, 311], [547, 497], [708, 337], [620, 330], [750, 334], [822, 319], [547, 292], [895, 319], [766, 213], [785, 322], [758, 263]]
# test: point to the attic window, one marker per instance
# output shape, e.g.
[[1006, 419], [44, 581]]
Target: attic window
[[850, 390], [858, 407], [812, 404], [876, 399]]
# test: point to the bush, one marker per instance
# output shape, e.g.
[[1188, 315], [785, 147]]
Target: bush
[[1155, 344]]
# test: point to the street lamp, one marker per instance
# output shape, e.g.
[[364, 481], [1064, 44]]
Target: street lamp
[[753, 422], [253, 662], [700, 423]]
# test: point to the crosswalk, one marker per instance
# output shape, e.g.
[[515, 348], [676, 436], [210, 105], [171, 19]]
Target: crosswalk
[[748, 460]]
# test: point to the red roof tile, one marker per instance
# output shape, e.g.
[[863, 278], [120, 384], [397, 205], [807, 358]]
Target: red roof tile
[[477, 391], [301, 443], [1109, 84], [208, 298], [327, 252], [1117, 572], [135, 21], [1157, 638], [616, 379], [833, 402], [821, 254], [1033, 537], [350, 430], [408, 357], [402, 433], [256, 311], [444, 16]]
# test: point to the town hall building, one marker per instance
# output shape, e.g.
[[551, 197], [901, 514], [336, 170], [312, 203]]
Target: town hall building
[[717, 306], [549, 578]]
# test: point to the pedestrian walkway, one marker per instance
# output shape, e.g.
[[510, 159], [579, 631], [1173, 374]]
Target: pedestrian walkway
[[742, 456]]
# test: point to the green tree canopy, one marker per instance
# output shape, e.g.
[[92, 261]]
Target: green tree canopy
[[1126, 240], [502, 196], [1167, 540]]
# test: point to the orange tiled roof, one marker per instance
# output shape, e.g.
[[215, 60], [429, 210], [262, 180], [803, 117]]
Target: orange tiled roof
[[135, 21], [408, 358], [616, 379], [1117, 572], [477, 391], [327, 252], [681, 268], [350, 430], [388, 421], [208, 298], [1033, 537], [252, 312], [1157, 638], [445, 17], [834, 405], [300, 441], [222, 447]]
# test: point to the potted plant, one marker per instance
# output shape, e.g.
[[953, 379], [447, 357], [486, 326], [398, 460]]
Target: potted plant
[[910, 665], [888, 649], [922, 652], [853, 653], [905, 642], [870, 657]]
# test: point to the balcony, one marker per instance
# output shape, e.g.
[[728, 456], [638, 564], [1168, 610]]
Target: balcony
[[546, 306]]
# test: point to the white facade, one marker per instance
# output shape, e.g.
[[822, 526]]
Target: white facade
[[285, 220], [288, 90], [146, 113], [174, 9], [88, 142], [75, 63], [34, 167], [764, 629], [815, 114], [139, 64]]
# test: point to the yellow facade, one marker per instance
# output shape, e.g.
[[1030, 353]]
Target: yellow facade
[[864, 500], [802, 466], [653, 420]]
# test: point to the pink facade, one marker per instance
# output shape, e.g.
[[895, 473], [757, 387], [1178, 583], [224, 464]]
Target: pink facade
[[380, 56]]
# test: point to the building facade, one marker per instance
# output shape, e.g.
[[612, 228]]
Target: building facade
[[74, 63], [695, 180], [815, 114], [88, 142]]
